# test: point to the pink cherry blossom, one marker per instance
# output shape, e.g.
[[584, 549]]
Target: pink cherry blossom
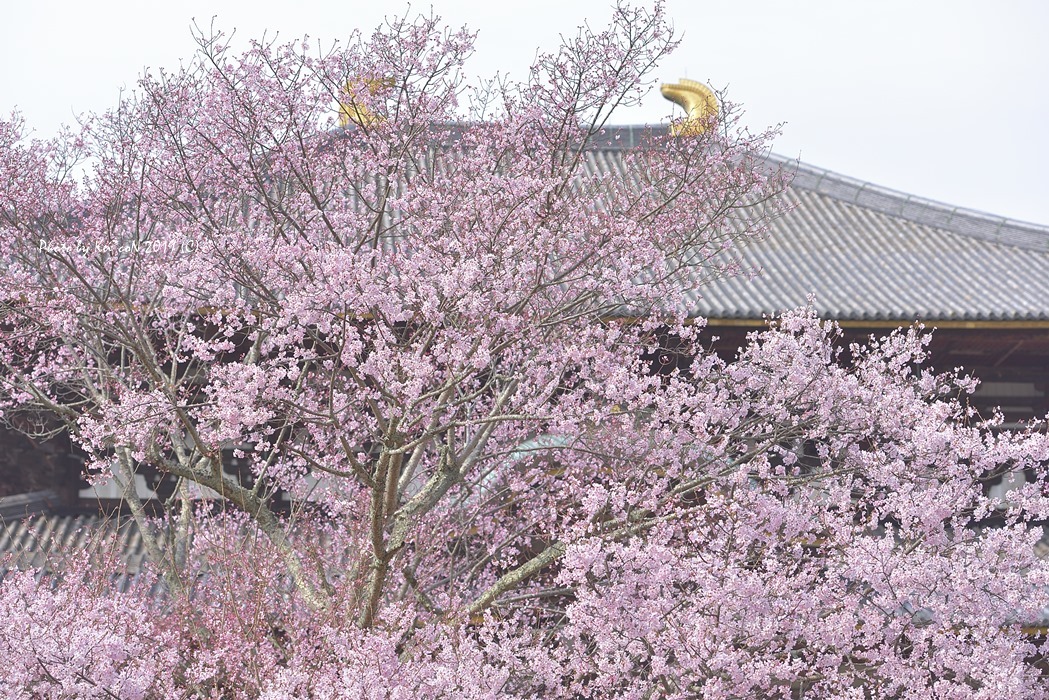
[[439, 329]]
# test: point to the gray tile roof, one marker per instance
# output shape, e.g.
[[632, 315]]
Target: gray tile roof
[[868, 253], [864, 252], [43, 542]]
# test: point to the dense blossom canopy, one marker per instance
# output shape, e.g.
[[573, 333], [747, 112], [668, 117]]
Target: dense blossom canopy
[[451, 330]]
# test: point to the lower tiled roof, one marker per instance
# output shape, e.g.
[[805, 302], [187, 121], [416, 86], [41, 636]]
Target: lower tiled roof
[[43, 542]]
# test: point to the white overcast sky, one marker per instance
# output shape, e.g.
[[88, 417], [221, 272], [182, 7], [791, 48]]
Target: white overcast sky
[[946, 99]]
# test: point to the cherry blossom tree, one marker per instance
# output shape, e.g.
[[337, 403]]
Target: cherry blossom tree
[[450, 322]]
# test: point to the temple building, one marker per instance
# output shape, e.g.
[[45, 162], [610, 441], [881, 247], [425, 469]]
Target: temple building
[[874, 259], [870, 258]]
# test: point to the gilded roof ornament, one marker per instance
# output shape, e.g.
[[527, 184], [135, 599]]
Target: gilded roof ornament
[[697, 100], [355, 111]]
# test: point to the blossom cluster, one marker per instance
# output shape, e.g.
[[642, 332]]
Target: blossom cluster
[[441, 328]]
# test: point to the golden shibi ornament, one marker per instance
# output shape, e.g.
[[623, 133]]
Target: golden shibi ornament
[[697, 100], [354, 111]]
